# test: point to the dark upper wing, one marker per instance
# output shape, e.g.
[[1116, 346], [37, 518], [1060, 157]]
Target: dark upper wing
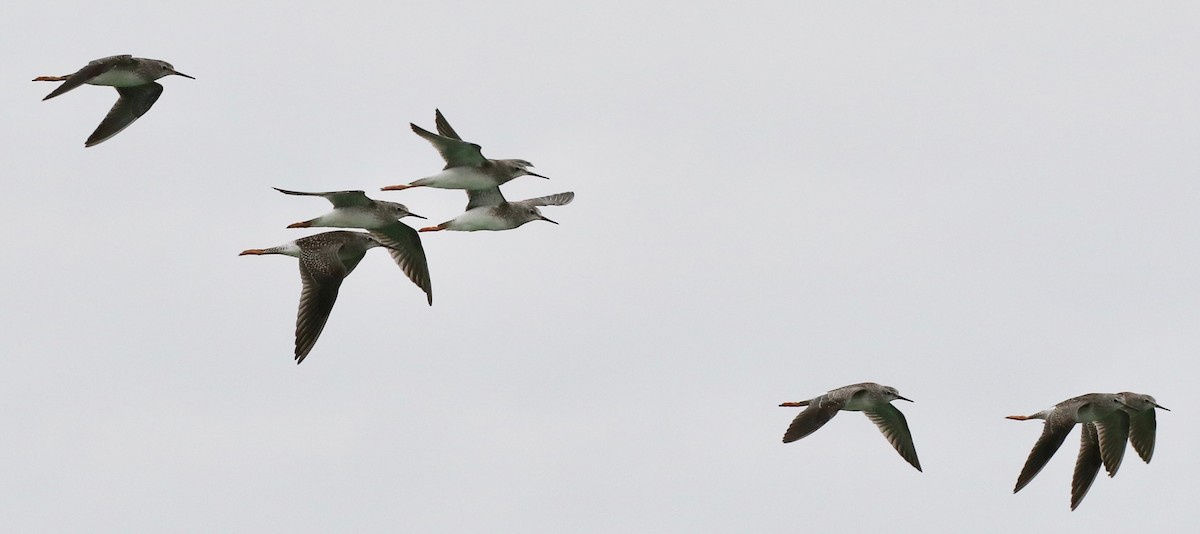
[[443, 126], [557, 199], [1142, 427], [404, 244], [895, 428], [819, 412], [1087, 465], [321, 279], [456, 152], [484, 197], [1113, 431], [133, 103], [339, 199], [1054, 432], [89, 71]]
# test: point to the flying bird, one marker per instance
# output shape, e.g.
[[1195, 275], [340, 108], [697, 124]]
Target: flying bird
[[353, 209], [325, 260], [133, 77], [872, 399], [466, 168], [488, 210], [1139, 422], [1142, 423], [1105, 429]]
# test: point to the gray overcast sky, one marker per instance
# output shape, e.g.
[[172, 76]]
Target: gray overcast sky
[[991, 206]]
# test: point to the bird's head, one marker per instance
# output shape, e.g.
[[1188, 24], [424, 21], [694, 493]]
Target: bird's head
[[398, 210], [162, 68]]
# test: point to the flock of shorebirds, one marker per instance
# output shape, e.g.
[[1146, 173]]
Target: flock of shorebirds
[[1108, 419], [326, 259]]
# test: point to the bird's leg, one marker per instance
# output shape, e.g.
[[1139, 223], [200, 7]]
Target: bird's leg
[[50, 78], [433, 228], [400, 187]]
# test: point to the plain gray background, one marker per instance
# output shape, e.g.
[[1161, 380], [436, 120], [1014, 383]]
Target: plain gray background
[[991, 206]]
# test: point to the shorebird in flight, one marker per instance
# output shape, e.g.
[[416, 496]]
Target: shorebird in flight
[[872, 399], [133, 78]]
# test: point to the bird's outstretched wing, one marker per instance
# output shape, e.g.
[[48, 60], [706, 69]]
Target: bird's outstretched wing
[[339, 199], [484, 197], [895, 428], [819, 412], [456, 152], [1113, 432], [1142, 427], [321, 273], [1054, 432], [89, 71], [134, 102], [443, 126], [557, 199], [404, 244], [1087, 465]]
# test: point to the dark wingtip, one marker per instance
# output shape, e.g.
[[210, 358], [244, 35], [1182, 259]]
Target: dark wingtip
[[1021, 485]]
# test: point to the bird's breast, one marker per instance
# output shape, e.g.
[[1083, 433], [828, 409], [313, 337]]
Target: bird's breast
[[461, 178], [351, 218], [480, 219], [118, 78]]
